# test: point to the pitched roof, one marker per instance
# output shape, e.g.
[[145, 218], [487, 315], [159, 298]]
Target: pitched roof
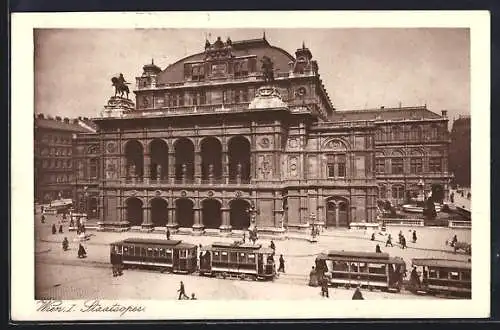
[[59, 125], [384, 114], [258, 47]]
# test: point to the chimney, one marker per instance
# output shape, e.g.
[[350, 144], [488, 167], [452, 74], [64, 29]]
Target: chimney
[[444, 113], [58, 118], [66, 120]]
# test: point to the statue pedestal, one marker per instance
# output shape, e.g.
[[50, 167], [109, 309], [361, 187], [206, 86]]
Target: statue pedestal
[[117, 107], [198, 229], [268, 97]]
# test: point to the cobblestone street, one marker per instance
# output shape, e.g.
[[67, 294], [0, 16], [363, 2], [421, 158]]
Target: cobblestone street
[[62, 275]]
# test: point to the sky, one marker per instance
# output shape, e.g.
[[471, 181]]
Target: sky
[[360, 68]]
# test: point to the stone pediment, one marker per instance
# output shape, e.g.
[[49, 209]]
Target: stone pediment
[[267, 97]]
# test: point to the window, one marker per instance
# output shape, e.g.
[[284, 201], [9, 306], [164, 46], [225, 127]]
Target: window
[[331, 170], [93, 168], [378, 135], [241, 69], [435, 164], [198, 72], [336, 166], [396, 133], [379, 165], [415, 165], [416, 133], [397, 192], [397, 165], [382, 192], [434, 132]]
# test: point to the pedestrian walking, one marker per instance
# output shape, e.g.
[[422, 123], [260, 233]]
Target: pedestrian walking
[[357, 294], [403, 242], [377, 249], [60, 229], [373, 237], [54, 230], [454, 240], [281, 268], [43, 218], [414, 236], [182, 292], [65, 244], [168, 234], [81, 251], [324, 288], [389, 241]]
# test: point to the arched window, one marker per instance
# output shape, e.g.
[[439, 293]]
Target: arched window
[[379, 163], [396, 133], [416, 162], [378, 135], [336, 166], [382, 192]]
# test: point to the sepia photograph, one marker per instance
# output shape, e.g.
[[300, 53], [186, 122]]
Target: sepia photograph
[[251, 164]]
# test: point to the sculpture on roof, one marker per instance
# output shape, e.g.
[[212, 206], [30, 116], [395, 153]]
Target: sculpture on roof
[[120, 85], [267, 69]]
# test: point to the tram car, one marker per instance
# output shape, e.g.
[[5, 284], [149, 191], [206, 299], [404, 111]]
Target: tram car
[[166, 255], [364, 269], [441, 276], [237, 260]]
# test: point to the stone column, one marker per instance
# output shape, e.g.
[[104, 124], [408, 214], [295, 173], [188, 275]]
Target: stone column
[[146, 170], [226, 222], [225, 167], [170, 174], [146, 219], [197, 166], [172, 224], [336, 215], [198, 227]]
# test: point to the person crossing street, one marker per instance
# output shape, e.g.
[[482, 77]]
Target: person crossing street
[[182, 292]]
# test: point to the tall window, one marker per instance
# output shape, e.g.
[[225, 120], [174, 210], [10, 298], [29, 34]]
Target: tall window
[[336, 166], [434, 132], [397, 192], [416, 165], [396, 133], [435, 164], [198, 72], [241, 95], [416, 133], [382, 192], [379, 165], [397, 165], [378, 135], [93, 168]]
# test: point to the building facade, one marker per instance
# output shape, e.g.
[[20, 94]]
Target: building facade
[[53, 156], [242, 132], [460, 151]]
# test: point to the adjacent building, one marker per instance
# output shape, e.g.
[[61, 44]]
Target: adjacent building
[[460, 151], [243, 132], [53, 155]]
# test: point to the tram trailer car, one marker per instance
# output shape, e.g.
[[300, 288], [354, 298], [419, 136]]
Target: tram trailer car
[[244, 261], [444, 276], [167, 255], [366, 269]]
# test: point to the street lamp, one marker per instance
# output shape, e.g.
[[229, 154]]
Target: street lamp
[[313, 227]]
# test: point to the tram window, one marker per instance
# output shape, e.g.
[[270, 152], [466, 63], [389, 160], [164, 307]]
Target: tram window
[[454, 276], [432, 273], [251, 258], [224, 256], [243, 258], [125, 250], [233, 257], [183, 253], [216, 256], [149, 252], [143, 252], [168, 251], [155, 252], [137, 251], [443, 274], [354, 267], [465, 276], [162, 253], [363, 267]]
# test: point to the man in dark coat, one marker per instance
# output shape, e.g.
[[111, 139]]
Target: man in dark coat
[[377, 249], [273, 247], [414, 236], [182, 292], [282, 264], [54, 230], [389, 241], [403, 242], [324, 287], [60, 229], [81, 251], [357, 294], [43, 218], [373, 237]]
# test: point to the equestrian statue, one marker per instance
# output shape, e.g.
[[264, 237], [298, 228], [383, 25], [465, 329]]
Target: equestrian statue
[[120, 85]]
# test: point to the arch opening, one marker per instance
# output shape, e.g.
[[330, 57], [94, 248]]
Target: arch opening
[[158, 150], [239, 215], [134, 155], [184, 213], [134, 211], [239, 160], [211, 212], [184, 160], [159, 212], [211, 160]]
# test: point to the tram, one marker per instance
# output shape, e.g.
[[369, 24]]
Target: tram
[[237, 259], [364, 269], [449, 277], [167, 255]]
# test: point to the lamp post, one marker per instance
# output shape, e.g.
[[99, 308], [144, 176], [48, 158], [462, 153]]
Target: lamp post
[[421, 185], [313, 227]]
